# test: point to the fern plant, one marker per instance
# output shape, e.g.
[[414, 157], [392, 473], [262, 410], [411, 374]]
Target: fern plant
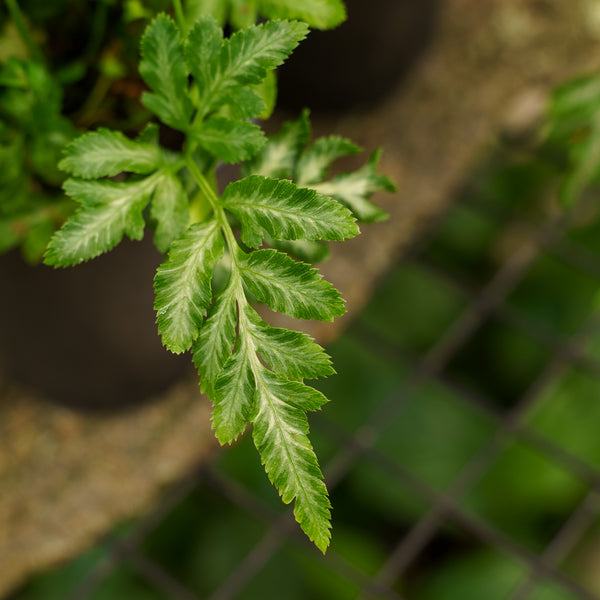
[[211, 88]]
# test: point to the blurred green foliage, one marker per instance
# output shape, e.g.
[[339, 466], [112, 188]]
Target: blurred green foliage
[[57, 69], [32, 136]]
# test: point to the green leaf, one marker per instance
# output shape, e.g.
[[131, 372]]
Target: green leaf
[[354, 189], [12, 160], [108, 211], [585, 166], [279, 155], [32, 96], [36, 240], [217, 337], [243, 13], [170, 209], [234, 394], [283, 156], [202, 48], [44, 153], [281, 210], [310, 252], [196, 9], [267, 91], [245, 391], [244, 103], [163, 69], [321, 14], [183, 284], [231, 141], [314, 162], [106, 153], [280, 435], [248, 54], [292, 354], [202, 54], [150, 134], [243, 59], [574, 130], [289, 287], [574, 106], [9, 237]]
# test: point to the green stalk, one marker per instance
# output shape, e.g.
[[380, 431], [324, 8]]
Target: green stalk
[[212, 198], [99, 21], [180, 16], [232, 244], [203, 184], [19, 21]]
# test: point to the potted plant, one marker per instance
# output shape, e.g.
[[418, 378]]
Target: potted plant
[[224, 249]]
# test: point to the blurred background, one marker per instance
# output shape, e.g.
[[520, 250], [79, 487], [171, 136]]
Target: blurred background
[[461, 446]]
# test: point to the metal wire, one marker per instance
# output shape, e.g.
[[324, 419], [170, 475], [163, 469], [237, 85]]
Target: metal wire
[[483, 303]]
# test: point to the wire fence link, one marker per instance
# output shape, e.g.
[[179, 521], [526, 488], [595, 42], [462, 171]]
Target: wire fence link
[[440, 508]]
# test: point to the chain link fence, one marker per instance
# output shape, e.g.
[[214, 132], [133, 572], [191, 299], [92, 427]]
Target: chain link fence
[[461, 448]]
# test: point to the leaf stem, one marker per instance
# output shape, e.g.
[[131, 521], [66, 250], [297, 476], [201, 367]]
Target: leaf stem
[[180, 16], [19, 21], [203, 184], [99, 20], [88, 113], [232, 244], [213, 199]]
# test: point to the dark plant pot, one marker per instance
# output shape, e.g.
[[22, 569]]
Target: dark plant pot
[[358, 63], [86, 336]]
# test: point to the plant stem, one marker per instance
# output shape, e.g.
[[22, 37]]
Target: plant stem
[[89, 111], [212, 198], [99, 20], [180, 16], [19, 21], [210, 194]]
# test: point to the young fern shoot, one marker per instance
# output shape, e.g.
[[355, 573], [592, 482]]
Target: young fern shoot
[[207, 87]]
